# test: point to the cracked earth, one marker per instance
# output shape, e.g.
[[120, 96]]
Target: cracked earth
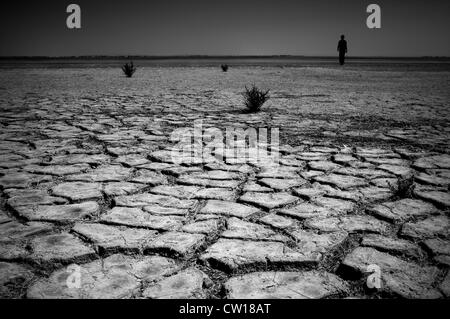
[[87, 179]]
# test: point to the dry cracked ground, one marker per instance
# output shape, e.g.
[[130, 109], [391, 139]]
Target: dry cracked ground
[[89, 184]]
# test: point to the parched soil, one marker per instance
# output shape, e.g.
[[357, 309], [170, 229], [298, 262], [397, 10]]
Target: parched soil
[[106, 191]]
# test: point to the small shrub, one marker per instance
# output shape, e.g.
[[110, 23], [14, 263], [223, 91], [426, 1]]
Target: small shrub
[[404, 187], [255, 98], [129, 69], [224, 67]]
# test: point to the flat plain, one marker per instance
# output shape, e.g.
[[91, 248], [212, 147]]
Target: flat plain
[[94, 205]]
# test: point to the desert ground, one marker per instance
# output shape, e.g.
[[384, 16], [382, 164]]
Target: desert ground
[[94, 204]]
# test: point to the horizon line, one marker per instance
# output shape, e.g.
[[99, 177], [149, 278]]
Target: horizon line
[[202, 56]]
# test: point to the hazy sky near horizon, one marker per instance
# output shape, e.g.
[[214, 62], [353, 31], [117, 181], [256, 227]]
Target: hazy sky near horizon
[[228, 27]]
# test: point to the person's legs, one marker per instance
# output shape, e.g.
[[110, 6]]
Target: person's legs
[[341, 59]]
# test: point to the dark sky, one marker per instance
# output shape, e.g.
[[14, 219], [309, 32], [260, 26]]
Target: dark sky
[[228, 27]]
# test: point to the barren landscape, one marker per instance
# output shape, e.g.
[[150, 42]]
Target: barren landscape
[[89, 184]]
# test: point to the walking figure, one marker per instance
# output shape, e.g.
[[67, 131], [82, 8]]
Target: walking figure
[[342, 49]]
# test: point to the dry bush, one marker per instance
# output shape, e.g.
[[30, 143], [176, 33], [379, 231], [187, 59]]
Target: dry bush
[[255, 98], [129, 69]]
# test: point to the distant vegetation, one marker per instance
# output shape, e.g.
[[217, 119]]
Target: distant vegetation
[[224, 67], [255, 98], [129, 69]]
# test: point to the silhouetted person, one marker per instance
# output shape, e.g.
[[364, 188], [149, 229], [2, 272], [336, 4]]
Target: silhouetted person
[[342, 49]]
